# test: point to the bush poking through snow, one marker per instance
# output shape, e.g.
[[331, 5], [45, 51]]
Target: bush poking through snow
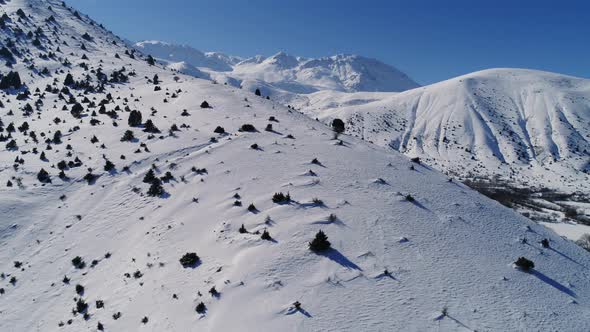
[[78, 262], [247, 128], [81, 306], [190, 259], [243, 230], [524, 264], [320, 243], [281, 198], [214, 292]]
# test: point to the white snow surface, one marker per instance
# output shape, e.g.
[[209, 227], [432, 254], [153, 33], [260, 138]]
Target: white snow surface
[[457, 251]]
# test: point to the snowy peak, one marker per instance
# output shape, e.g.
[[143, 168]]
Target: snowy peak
[[182, 53], [283, 73], [282, 61]]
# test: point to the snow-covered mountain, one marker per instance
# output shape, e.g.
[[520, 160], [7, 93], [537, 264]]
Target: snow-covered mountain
[[524, 127], [283, 75], [116, 175]]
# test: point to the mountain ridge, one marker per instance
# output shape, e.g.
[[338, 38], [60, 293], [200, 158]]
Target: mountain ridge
[[343, 72]]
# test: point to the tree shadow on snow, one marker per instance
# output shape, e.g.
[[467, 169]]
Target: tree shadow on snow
[[566, 256], [553, 283], [292, 311], [337, 257], [459, 323], [418, 204]]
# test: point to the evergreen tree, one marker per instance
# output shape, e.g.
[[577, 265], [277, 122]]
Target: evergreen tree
[[338, 126], [149, 176], [201, 308], [150, 127], [150, 60], [320, 243], [135, 119], [156, 188], [524, 264], [11, 80], [69, 80], [43, 176], [128, 136], [109, 166]]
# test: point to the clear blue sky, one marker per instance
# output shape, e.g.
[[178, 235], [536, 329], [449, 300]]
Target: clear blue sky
[[429, 40]]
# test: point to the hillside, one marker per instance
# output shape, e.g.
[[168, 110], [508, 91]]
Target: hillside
[[151, 172], [514, 127]]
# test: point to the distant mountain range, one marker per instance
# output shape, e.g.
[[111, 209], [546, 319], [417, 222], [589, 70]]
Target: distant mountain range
[[282, 73]]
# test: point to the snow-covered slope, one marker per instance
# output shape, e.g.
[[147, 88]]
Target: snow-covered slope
[[447, 250], [284, 76], [529, 128]]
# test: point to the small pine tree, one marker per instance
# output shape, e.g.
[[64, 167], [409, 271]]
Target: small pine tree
[[134, 119], [252, 208], [201, 308], [69, 80], [266, 236], [109, 166], [320, 243], [258, 93], [149, 176], [43, 176], [150, 60], [81, 306], [156, 189], [150, 127], [128, 136]]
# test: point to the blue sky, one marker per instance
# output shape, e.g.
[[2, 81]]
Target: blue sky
[[429, 40]]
